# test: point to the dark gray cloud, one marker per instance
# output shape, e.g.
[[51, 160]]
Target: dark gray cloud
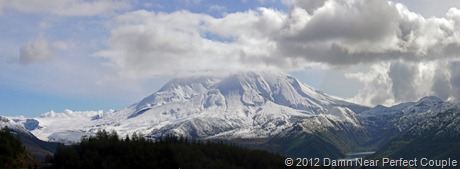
[[360, 31], [412, 53], [403, 77], [351, 23], [309, 5]]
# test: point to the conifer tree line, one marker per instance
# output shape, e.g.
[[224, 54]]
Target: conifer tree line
[[106, 151], [12, 154]]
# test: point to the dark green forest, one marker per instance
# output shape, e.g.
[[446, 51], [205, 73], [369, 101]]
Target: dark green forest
[[106, 150], [12, 154]]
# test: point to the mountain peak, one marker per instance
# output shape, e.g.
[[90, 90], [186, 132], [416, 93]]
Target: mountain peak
[[430, 99], [6, 122], [204, 81], [4, 119], [251, 88]]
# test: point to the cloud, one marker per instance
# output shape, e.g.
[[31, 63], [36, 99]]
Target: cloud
[[395, 82], [65, 7], [359, 31], [409, 56], [36, 50], [146, 44], [377, 86], [430, 8], [454, 78], [404, 80], [333, 32], [349, 25], [402, 49], [309, 5], [441, 84]]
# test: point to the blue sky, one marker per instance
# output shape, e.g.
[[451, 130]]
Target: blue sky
[[108, 54], [31, 89]]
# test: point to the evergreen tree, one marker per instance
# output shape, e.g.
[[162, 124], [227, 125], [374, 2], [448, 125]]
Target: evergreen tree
[[10, 149], [12, 153]]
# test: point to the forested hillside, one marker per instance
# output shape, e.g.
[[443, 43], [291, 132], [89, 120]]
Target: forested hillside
[[106, 150], [13, 154]]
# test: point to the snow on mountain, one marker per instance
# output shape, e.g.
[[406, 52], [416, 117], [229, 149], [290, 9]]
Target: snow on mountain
[[381, 117], [436, 137], [244, 105], [67, 127], [335, 118], [12, 125], [37, 148], [444, 124], [405, 115], [385, 123], [425, 108]]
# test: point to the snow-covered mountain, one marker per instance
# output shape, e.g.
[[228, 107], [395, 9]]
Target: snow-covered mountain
[[239, 106], [405, 115], [443, 124], [273, 111], [436, 137], [14, 127], [37, 148], [385, 123]]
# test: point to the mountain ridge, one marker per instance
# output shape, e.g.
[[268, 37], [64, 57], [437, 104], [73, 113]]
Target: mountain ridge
[[272, 111], [37, 148]]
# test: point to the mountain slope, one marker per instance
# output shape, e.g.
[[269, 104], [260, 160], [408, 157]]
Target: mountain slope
[[37, 148], [385, 123], [246, 106], [322, 136], [12, 153], [440, 133], [249, 105]]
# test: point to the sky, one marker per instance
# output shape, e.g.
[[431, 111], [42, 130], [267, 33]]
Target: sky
[[108, 54]]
